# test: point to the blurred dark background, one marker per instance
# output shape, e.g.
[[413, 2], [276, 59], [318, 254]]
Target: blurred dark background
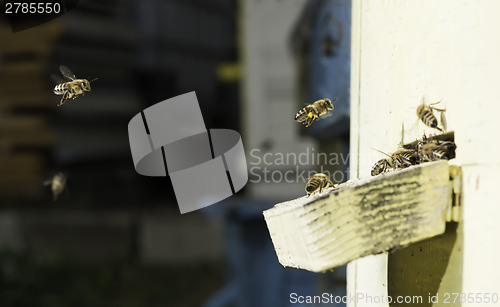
[[116, 238]]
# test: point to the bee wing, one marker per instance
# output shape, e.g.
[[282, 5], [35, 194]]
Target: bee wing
[[329, 114], [56, 79], [443, 121], [67, 73]]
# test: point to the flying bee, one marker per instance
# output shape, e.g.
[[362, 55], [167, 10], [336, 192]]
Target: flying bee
[[57, 184], [71, 88], [314, 111], [318, 182], [426, 115]]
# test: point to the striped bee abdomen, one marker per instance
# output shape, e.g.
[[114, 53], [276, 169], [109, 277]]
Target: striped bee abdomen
[[303, 114], [313, 185], [440, 154], [426, 116], [60, 89], [317, 182], [406, 158]]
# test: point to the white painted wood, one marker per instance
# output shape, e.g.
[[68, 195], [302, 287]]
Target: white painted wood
[[361, 217], [442, 50]]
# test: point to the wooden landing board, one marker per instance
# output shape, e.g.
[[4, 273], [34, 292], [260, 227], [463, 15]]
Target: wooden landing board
[[362, 217]]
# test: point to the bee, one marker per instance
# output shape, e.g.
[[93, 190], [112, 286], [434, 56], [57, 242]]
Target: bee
[[318, 182], [402, 158], [437, 151], [71, 88], [433, 152], [448, 138], [382, 166], [57, 184], [314, 111], [426, 115]]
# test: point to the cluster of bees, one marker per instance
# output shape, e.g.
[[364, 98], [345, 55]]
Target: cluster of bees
[[426, 149], [433, 148]]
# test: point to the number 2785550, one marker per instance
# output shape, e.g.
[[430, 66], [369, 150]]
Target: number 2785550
[[32, 8]]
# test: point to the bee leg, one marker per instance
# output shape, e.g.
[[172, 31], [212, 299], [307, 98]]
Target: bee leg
[[431, 106], [434, 108], [388, 165], [331, 184], [63, 99], [439, 110]]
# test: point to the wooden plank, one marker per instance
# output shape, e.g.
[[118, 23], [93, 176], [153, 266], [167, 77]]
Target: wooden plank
[[21, 176], [34, 36], [28, 140], [19, 164], [28, 100], [12, 123], [24, 131], [362, 217]]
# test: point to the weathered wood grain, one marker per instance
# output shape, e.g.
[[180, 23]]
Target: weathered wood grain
[[362, 217]]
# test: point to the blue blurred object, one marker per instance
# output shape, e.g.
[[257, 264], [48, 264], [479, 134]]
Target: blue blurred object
[[322, 37], [256, 278], [329, 65]]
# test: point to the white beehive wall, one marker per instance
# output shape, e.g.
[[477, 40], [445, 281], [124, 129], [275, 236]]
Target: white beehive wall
[[442, 50]]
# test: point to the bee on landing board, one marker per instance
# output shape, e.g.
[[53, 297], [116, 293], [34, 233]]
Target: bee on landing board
[[426, 115], [317, 183], [314, 111], [57, 184], [71, 87], [401, 158], [382, 166], [433, 151]]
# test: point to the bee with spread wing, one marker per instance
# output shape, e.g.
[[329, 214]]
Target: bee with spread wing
[[71, 87]]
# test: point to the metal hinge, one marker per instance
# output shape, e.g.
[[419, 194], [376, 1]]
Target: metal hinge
[[455, 213]]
